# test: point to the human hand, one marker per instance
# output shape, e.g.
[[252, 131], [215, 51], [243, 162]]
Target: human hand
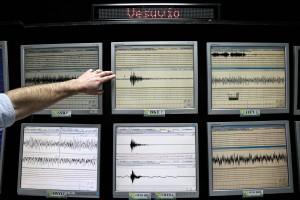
[[90, 81]]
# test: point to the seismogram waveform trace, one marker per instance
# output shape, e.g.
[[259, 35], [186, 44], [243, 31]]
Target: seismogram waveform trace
[[239, 80], [47, 79], [42, 161], [231, 54], [133, 176], [135, 78], [237, 159], [73, 143], [133, 144]]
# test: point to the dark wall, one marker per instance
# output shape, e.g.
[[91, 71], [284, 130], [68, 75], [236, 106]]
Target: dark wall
[[30, 11], [51, 11]]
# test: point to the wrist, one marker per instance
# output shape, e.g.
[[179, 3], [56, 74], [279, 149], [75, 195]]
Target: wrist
[[74, 86]]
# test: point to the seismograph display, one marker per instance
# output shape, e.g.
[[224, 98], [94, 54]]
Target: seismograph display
[[51, 63], [155, 158], [253, 76], [67, 156], [155, 76], [248, 156]]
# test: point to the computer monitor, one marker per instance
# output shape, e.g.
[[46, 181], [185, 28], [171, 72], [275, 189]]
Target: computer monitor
[[2, 142], [155, 75], [249, 155], [297, 143], [47, 63], [156, 157], [59, 159], [248, 76], [296, 82], [3, 67], [3, 87]]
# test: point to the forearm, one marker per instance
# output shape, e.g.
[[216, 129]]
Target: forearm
[[28, 100], [31, 99]]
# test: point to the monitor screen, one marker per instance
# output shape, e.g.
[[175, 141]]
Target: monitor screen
[[47, 63], [248, 76], [249, 156], [156, 158], [64, 158], [296, 82], [154, 75], [3, 88]]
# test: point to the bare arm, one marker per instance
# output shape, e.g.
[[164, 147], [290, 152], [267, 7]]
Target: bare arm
[[28, 100]]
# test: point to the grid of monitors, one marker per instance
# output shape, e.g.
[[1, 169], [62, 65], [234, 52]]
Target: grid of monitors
[[156, 158], [59, 157], [48, 63], [154, 75], [3, 88], [296, 82], [248, 76], [249, 156]]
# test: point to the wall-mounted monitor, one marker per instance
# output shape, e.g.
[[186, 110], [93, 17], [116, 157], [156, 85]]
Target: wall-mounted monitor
[[2, 142], [48, 63], [252, 155], [297, 143], [296, 82], [3, 67], [155, 75], [248, 76], [59, 159], [3, 87], [156, 158]]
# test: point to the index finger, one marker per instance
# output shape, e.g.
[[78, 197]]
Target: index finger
[[107, 78], [105, 73]]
